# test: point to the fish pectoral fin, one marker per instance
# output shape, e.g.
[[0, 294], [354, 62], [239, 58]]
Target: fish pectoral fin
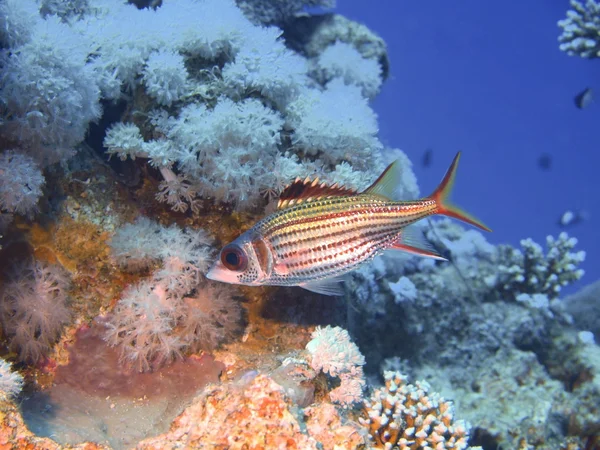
[[413, 241], [326, 286]]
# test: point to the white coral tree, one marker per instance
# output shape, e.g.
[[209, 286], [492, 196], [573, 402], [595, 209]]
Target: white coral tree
[[334, 353]]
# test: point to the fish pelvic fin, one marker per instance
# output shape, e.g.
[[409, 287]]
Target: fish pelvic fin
[[328, 286], [444, 207]]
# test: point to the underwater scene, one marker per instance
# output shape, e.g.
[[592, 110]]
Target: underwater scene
[[299, 224]]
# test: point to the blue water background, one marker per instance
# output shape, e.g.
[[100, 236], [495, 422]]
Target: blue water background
[[489, 79]]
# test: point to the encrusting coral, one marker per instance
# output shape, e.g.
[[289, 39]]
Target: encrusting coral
[[410, 417], [254, 413]]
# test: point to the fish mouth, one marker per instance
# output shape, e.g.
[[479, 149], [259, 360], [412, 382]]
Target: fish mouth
[[218, 272], [212, 273]]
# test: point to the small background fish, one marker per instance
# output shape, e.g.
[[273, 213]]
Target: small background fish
[[584, 98], [545, 161]]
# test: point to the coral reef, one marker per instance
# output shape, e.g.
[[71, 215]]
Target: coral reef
[[94, 398], [461, 317], [529, 272], [137, 137]]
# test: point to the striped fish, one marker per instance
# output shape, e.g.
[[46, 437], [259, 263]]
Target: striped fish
[[321, 232]]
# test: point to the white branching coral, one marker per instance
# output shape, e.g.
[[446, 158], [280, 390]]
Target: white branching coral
[[264, 64], [334, 353], [229, 152], [530, 271], [581, 30], [48, 91], [410, 417]]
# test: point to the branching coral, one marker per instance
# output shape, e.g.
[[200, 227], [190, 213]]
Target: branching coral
[[581, 30], [406, 416], [165, 76], [532, 272]]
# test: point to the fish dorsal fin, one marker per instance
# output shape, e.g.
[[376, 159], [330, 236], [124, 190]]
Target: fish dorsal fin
[[305, 190], [385, 186]]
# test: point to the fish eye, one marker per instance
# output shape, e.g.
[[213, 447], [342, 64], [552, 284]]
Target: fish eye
[[234, 258]]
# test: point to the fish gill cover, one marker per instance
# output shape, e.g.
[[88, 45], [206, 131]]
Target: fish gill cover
[[209, 109]]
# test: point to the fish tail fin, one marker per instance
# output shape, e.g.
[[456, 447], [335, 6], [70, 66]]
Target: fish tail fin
[[441, 194]]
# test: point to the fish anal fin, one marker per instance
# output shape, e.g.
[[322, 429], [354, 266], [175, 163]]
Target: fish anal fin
[[326, 286], [305, 190], [413, 241], [417, 251]]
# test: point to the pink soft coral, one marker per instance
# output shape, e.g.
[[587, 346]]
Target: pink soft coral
[[173, 311], [33, 309]]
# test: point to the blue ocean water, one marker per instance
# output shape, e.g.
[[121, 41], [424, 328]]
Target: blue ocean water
[[489, 79]]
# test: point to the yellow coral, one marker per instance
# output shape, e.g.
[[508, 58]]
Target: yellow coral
[[408, 417]]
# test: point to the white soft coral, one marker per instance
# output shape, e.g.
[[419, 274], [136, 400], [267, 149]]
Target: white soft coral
[[336, 124], [50, 91], [165, 76], [21, 183], [342, 60]]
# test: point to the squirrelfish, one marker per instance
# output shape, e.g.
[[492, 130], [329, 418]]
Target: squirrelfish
[[321, 232]]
